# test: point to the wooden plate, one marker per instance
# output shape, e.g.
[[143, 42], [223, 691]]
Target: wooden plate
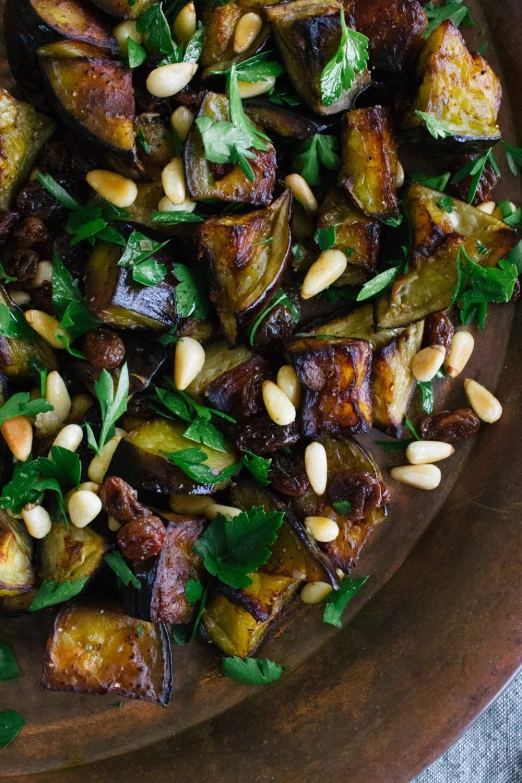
[[435, 635]]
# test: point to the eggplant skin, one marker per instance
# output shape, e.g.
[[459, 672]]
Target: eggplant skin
[[369, 162], [335, 377], [238, 392], [92, 650], [16, 552], [122, 9]]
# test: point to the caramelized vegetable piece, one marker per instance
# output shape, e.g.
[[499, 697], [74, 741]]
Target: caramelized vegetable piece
[[205, 180], [335, 377], [238, 392], [15, 353], [23, 132], [91, 95], [245, 268], [16, 552], [94, 650], [356, 324], [117, 300], [123, 9], [263, 436], [220, 22], [450, 426], [281, 121], [458, 88], [438, 234], [68, 554], [157, 148], [369, 162], [308, 34]]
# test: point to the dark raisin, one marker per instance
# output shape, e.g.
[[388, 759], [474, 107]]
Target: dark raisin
[[35, 201], [42, 298], [450, 426], [22, 264], [438, 330], [264, 436], [278, 325], [104, 349], [120, 502], [31, 231], [363, 491], [486, 185], [8, 220], [142, 538], [288, 474]]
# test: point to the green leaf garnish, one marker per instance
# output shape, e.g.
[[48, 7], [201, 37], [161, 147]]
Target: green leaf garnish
[[191, 293], [136, 53], [431, 180], [326, 237], [342, 507], [13, 324], [116, 562], [257, 68], [193, 590], [454, 10], [320, 149], [252, 671], [191, 462], [11, 724], [158, 39], [280, 298], [378, 284], [475, 170], [514, 157], [446, 203], [350, 59], [51, 593], [173, 218], [258, 467], [427, 396], [195, 45], [337, 600], [411, 428], [437, 128], [70, 307], [8, 666], [112, 405], [5, 277], [21, 405], [64, 466], [56, 190]]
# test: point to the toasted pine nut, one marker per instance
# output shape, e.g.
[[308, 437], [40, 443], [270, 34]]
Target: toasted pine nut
[[427, 362], [37, 521], [485, 404], [425, 452], [84, 506], [113, 524], [169, 79], [188, 361], [89, 486], [326, 270], [18, 434], [185, 24], [173, 180], [114, 188], [498, 212], [57, 395], [277, 404], [99, 466], [80, 404], [302, 192], [44, 274], [289, 383], [190, 504], [316, 466], [488, 207], [124, 31], [399, 178], [45, 325], [246, 32], [252, 89], [47, 424], [459, 353], [322, 528], [69, 438], [181, 120], [315, 592], [20, 298], [213, 509], [418, 476], [166, 205]]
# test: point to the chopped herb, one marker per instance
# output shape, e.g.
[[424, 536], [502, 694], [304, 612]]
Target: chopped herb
[[411, 428], [252, 671], [431, 181], [279, 299], [11, 724], [267, 241], [56, 190], [326, 237], [139, 629], [350, 59], [283, 95], [191, 293], [112, 405], [20, 404], [446, 203], [116, 562], [475, 170], [437, 128], [510, 215], [13, 324], [169, 337], [481, 248], [142, 141], [393, 222], [70, 307], [258, 68], [64, 466], [51, 593], [336, 294], [258, 467], [136, 53], [195, 45], [427, 396], [25, 486], [173, 218], [320, 149], [514, 157], [454, 10], [154, 24], [297, 253], [378, 284], [193, 590], [179, 633], [5, 277], [8, 666], [337, 600], [393, 445], [478, 285], [191, 462], [201, 608], [38, 373], [137, 254], [342, 507]]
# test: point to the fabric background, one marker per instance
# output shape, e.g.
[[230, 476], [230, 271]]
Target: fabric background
[[491, 751]]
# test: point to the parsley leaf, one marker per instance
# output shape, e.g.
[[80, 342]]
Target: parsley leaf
[[281, 95], [8, 666], [258, 467], [154, 24], [252, 671], [338, 599], [70, 307], [193, 590], [475, 169], [393, 445], [64, 466], [378, 284], [13, 324], [38, 372], [5, 277], [11, 724], [320, 149], [116, 562], [142, 141], [427, 396], [453, 10], [25, 486], [51, 593], [326, 237], [191, 462], [195, 45], [233, 548], [446, 203], [191, 293], [342, 507], [437, 128], [411, 428], [56, 190], [21, 405], [350, 59], [514, 157], [257, 68], [175, 217], [478, 285], [280, 298], [510, 215], [136, 54], [137, 254], [431, 181], [112, 405]]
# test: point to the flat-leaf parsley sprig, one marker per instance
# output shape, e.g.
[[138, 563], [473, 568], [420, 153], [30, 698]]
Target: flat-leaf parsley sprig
[[350, 59]]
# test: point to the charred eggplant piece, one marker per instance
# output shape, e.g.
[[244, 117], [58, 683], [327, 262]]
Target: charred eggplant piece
[[138, 460], [220, 22], [94, 650], [438, 235], [356, 324], [369, 162], [458, 88], [16, 352], [204, 182], [157, 149], [16, 553], [122, 9], [335, 377], [247, 257], [70, 554], [281, 121], [308, 33], [23, 132], [91, 94], [263, 436]]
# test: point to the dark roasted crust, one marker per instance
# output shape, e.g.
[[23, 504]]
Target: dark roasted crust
[[238, 392]]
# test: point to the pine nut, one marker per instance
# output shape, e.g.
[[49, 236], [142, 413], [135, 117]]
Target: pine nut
[[427, 362], [166, 205], [326, 270], [113, 524], [89, 486], [20, 298], [418, 476], [190, 504], [316, 466], [322, 528], [169, 79], [315, 592], [289, 383], [488, 207], [499, 214], [69, 438], [399, 178], [117, 190], [188, 361], [124, 31], [44, 274], [47, 424], [99, 466], [246, 32], [252, 89], [302, 192], [181, 120], [485, 404], [18, 434], [173, 181], [46, 326], [57, 395], [185, 24], [84, 506], [37, 521], [213, 509], [459, 353], [80, 404], [277, 404], [425, 452]]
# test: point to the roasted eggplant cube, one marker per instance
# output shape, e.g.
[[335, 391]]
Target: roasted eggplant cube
[[308, 34], [357, 324], [246, 269], [206, 180], [23, 132], [220, 24], [438, 235], [71, 553], [16, 553], [238, 392], [138, 460], [93, 650], [157, 148], [92, 96], [15, 352], [335, 377], [458, 88], [369, 162], [122, 9], [117, 300]]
